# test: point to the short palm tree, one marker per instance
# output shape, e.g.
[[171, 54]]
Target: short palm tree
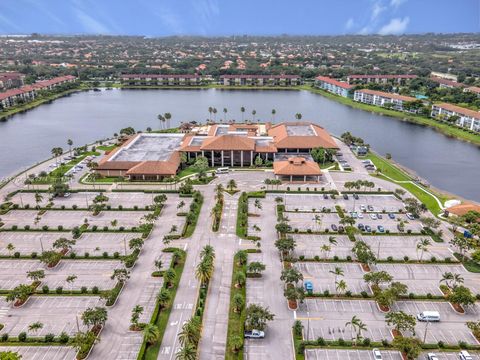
[[338, 271], [191, 331], [242, 110], [422, 246], [151, 333], [203, 272], [273, 115], [187, 352], [340, 286], [163, 297]]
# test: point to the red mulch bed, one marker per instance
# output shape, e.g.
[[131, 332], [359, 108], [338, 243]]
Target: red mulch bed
[[19, 302], [384, 308], [396, 333], [292, 305], [458, 308], [365, 267]]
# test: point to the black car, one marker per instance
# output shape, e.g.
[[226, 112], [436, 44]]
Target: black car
[[325, 196], [345, 196], [361, 227], [334, 227], [341, 228], [355, 196]]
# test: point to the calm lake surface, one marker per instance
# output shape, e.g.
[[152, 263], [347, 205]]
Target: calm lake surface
[[25, 139]]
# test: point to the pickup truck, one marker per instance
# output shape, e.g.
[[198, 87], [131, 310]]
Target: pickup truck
[[254, 334]]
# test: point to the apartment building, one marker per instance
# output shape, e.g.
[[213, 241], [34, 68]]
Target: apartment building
[[334, 86], [380, 98], [11, 80], [260, 80], [467, 118], [380, 79], [161, 80]]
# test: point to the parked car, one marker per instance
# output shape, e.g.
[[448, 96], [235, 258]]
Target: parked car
[[373, 216], [341, 228], [391, 216], [399, 228], [431, 316], [360, 215], [347, 167], [325, 196], [464, 355], [354, 215], [345, 196], [254, 334], [334, 227], [376, 354], [332, 196], [380, 228], [368, 228], [308, 286], [379, 216], [361, 227], [432, 356], [370, 208], [355, 196], [363, 208], [410, 216]]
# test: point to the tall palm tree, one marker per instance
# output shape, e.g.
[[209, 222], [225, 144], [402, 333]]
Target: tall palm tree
[[242, 110], [457, 279], [356, 325], [332, 240], [446, 278], [70, 143], [298, 116], [167, 117], [214, 114], [254, 112], [422, 246], [325, 249], [340, 286], [273, 115], [161, 118], [210, 110], [204, 271], [190, 333], [225, 110], [338, 271], [208, 252]]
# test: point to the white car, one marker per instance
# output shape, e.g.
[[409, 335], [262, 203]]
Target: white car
[[376, 354], [432, 356], [360, 215], [373, 216], [410, 216], [464, 355], [363, 208]]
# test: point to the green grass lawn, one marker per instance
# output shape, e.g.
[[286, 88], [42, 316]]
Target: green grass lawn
[[390, 170], [106, 148]]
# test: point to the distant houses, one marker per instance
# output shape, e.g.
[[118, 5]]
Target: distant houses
[[465, 118], [446, 83], [334, 86], [384, 99], [11, 80], [260, 80], [30, 92]]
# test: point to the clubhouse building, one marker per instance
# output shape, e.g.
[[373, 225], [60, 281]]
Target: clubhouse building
[[287, 146]]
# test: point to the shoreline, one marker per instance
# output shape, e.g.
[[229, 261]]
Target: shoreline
[[447, 130]]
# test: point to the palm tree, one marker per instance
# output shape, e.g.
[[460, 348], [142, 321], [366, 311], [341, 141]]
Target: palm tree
[[242, 110], [231, 184], [356, 325], [254, 112], [332, 240], [136, 312], [422, 246], [70, 143], [167, 117], [56, 152], [34, 327], [338, 271], [190, 333], [151, 333], [208, 252], [187, 352], [457, 279], [70, 280], [340, 286], [446, 278], [203, 272], [236, 342], [210, 110], [273, 115], [298, 116], [214, 114], [10, 248], [162, 120], [325, 249], [163, 297], [225, 114]]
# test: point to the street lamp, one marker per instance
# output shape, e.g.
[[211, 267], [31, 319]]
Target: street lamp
[[425, 334]]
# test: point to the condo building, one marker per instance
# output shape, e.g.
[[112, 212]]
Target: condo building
[[467, 118], [334, 86], [380, 98]]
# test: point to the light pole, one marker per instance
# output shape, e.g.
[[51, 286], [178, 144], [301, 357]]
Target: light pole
[[425, 334]]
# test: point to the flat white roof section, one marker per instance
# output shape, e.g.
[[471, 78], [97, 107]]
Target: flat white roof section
[[149, 147]]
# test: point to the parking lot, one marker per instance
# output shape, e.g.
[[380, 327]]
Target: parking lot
[[314, 222], [424, 279], [309, 246], [327, 319], [340, 354], [320, 274], [404, 245], [42, 352], [57, 314], [94, 243]]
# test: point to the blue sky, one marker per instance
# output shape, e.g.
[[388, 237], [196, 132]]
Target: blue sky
[[234, 17]]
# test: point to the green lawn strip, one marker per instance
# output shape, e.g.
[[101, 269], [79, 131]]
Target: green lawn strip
[[160, 317], [299, 352], [62, 169], [469, 264], [106, 148], [449, 130], [192, 216], [236, 320], [242, 213]]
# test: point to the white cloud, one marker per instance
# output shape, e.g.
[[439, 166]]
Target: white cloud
[[206, 11], [90, 24], [395, 26], [349, 24], [397, 3], [171, 21], [377, 9]]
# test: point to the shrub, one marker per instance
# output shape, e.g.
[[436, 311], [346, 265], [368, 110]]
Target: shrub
[[27, 227], [105, 254], [83, 290], [33, 255], [366, 342], [448, 259], [411, 295], [63, 338], [121, 228], [116, 255], [120, 207], [94, 228], [462, 344], [441, 344], [22, 337], [301, 257], [335, 258], [389, 259], [87, 255], [364, 294], [74, 207], [341, 342], [59, 290], [348, 293], [73, 255], [105, 228], [316, 258], [385, 343], [321, 341], [5, 337], [406, 258], [45, 289], [349, 258], [14, 227], [326, 293], [49, 338], [60, 227], [45, 227], [62, 207], [95, 290], [433, 259]]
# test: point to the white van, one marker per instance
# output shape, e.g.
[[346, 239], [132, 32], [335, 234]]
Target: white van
[[464, 355], [432, 316], [223, 170]]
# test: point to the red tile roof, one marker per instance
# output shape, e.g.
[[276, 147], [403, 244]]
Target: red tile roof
[[388, 76], [283, 140], [474, 89], [159, 76], [459, 109], [296, 166], [228, 142], [334, 82], [259, 76], [446, 82]]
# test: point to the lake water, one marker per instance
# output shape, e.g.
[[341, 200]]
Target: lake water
[[27, 138]]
